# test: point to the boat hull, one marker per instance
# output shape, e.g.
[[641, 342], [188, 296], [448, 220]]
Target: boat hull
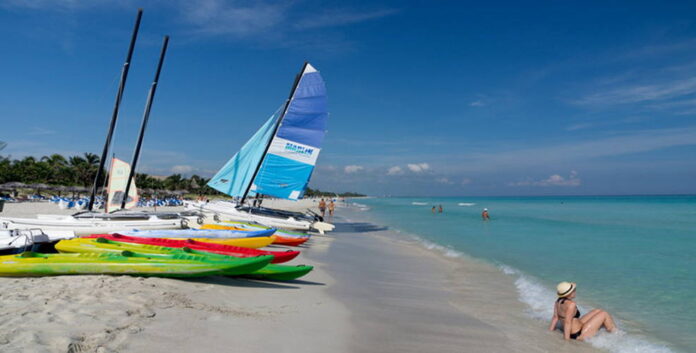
[[279, 256]]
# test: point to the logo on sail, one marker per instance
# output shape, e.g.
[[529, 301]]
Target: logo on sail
[[291, 147]]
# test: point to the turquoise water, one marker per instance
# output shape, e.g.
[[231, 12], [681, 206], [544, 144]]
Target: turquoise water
[[633, 256]]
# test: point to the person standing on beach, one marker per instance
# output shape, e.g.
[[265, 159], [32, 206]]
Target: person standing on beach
[[485, 215], [332, 207], [322, 207], [433, 209], [439, 209]]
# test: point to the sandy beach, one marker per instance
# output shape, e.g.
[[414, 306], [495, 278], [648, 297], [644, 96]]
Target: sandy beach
[[371, 291]]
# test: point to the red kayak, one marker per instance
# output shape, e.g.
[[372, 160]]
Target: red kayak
[[279, 256], [281, 240]]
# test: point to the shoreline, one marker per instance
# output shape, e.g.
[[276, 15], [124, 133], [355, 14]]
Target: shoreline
[[373, 290], [521, 292], [476, 303]]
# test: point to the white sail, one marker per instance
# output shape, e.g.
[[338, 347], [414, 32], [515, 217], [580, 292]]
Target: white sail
[[118, 178]]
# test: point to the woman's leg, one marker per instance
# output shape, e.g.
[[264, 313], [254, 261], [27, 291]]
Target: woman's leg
[[592, 326], [585, 318]]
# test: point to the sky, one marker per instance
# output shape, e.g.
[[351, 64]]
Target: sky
[[426, 98]]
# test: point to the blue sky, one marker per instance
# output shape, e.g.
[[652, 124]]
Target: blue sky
[[426, 97]]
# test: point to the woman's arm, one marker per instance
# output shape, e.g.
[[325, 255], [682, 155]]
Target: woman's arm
[[554, 319], [568, 320]]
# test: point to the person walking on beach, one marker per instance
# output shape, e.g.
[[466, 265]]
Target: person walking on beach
[[332, 207], [485, 215], [577, 327], [322, 207], [439, 209]]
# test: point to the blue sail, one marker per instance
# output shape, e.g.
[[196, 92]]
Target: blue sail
[[234, 177], [293, 152]]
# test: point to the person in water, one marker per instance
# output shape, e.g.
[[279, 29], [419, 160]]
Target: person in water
[[433, 209], [439, 209], [485, 215], [577, 327]]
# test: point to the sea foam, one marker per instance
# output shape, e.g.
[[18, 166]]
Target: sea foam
[[466, 204]]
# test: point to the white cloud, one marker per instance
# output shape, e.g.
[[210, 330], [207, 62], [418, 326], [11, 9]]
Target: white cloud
[[418, 167], [182, 169], [638, 93], [553, 180], [353, 169], [341, 17], [444, 180], [38, 131], [478, 103], [396, 170], [466, 181]]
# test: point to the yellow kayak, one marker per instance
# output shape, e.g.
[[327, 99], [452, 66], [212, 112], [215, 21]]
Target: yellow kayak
[[253, 243]]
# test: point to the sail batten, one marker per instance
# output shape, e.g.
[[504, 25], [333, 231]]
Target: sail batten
[[284, 170]]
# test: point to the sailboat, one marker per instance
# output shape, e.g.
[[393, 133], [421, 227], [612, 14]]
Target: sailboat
[[278, 160], [89, 222]]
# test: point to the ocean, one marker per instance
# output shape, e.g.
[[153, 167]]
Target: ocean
[[634, 256]]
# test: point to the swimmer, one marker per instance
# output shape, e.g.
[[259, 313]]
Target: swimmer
[[577, 327], [485, 215]]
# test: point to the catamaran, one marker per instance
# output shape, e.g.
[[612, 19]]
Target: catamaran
[[278, 160]]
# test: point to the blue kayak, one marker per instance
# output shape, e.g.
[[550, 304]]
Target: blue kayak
[[198, 233]]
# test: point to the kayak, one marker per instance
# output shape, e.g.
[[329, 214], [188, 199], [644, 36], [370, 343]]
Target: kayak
[[254, 226], [279, 239], [253, 243], [281, 272], [102, 245], [124, 263], [279, 256], [222, 233]]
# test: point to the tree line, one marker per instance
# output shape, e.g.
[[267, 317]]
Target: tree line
[[57, 170], [81, 170]]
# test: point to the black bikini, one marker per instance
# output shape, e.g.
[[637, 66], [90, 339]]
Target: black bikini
[[573, 336]]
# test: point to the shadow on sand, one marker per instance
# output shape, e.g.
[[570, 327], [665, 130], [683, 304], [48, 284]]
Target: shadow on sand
[[246, 282], [359, 227]]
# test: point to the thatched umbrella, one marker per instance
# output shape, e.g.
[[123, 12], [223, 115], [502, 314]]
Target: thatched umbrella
[[60, 189], [14, 185], [38, 187]]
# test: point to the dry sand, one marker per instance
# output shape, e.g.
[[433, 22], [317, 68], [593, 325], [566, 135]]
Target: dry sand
[[371, 291]]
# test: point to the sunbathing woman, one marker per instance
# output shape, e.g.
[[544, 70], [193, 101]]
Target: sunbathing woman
[[577, 327]]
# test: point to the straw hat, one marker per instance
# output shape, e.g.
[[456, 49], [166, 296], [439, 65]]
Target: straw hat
[[564, 289]]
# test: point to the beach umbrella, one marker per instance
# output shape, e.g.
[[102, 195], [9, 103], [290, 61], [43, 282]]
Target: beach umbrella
[[38, 187], [15, 185], [60, 189]]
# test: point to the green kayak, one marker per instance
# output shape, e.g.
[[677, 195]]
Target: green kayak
[[101, 245], [281, 272], [233, 265], [123, 263]]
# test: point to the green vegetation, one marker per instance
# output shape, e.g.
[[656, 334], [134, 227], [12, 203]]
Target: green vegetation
[[57, 170], [318, 193]]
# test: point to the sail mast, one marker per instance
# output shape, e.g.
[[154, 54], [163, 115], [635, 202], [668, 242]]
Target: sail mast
[[146, 117], [275, 130], [114, 115]]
